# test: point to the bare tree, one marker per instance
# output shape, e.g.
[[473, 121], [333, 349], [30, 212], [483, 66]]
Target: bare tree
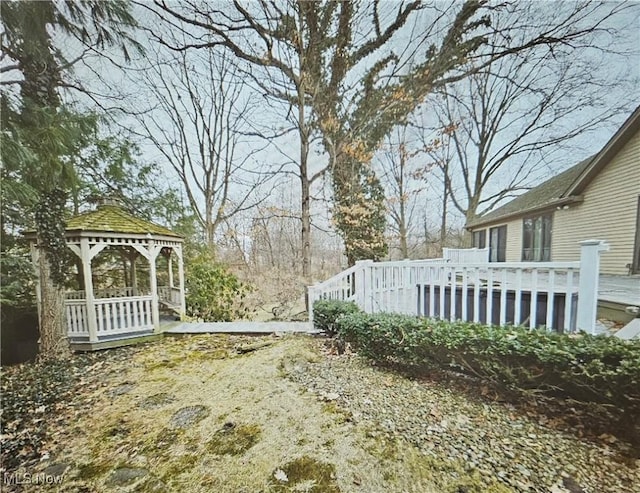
[[334, 43], [199, 123], [436, 155], [360, 80], [401, 177], [508, 121], [350, 64], [285, 88]]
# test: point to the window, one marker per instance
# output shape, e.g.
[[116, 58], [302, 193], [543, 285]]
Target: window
[[498, 244], [536, 238], [480, 239]]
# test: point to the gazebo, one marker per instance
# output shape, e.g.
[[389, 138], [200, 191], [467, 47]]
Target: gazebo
[[98, 317]]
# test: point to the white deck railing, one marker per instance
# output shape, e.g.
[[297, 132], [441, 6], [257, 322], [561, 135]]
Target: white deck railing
[[529, 294], [555, 295], [76, 317]]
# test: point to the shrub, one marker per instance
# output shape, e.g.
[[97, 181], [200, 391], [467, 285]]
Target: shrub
[[214, 294], [327, 313], [589, 369]]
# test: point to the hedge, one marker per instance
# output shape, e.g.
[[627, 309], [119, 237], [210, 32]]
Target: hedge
[[327, 314], [585, 368]]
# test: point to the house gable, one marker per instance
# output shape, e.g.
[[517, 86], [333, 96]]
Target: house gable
[[609, 212], [628, 131], [597, 198]]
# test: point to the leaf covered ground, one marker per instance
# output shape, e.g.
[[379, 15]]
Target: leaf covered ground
[[207, 413]]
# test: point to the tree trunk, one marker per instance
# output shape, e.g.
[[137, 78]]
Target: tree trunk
[[305, 193], [443, 219], [53, 338], [402, 230], [404, 247], [467, 239], [209, 228]]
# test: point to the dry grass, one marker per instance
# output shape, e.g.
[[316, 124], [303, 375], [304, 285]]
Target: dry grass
[[259, 428]]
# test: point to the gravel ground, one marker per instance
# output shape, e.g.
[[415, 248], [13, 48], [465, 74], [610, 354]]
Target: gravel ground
[[488, 437], [203, 414], [145, 418]]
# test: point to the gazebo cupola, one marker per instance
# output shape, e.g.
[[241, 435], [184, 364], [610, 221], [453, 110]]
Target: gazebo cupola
[[98, 316]]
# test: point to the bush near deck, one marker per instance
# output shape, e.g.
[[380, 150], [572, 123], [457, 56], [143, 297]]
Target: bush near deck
[[327, 314], [585, 368]]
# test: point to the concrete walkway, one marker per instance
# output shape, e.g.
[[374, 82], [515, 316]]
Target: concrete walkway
[[241, 327]]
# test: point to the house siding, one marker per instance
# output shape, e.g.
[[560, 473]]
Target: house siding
[[608, 212], [514, 240]]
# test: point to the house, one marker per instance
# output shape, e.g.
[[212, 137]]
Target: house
[[598, 198]]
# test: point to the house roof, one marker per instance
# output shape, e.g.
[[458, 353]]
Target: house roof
[[114, 219], [567, 186], [545, 195]]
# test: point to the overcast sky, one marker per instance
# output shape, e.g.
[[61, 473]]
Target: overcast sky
[[131, 92]]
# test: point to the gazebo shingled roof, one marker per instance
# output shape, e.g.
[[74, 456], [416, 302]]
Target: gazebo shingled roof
[[115, 219]]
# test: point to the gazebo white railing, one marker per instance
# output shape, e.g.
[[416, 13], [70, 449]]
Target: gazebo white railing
[[114, 317]]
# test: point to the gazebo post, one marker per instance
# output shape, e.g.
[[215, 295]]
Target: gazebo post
[[183, 305], [170, 265], [132, 256], [85, 255], [155, 308]]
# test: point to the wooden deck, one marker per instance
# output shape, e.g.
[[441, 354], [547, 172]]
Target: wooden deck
[[624, 290], [241, 327], [615, 294]]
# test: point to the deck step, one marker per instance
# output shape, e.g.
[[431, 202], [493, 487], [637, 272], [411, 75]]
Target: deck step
[[630, 331], [170, 306]]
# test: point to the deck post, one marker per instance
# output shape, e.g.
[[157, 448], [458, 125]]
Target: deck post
[[85, 256], [363, 285], [588, 285]]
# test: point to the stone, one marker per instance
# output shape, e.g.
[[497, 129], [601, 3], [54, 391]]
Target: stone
[[56, 469], [153, 485], [126, 475], [122, 389], [188, 416], [156, 400]]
